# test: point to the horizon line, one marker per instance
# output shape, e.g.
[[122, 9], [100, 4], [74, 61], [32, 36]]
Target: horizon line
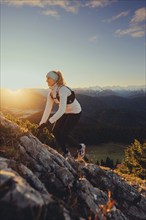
[[85, 87]]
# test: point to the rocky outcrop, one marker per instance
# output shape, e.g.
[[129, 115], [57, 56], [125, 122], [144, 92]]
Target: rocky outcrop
[[38, 183]]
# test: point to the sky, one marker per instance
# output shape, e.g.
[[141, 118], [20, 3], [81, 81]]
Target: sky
[[92, 42]]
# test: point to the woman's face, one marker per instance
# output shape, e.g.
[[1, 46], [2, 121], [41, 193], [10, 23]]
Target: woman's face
[[50, 81]]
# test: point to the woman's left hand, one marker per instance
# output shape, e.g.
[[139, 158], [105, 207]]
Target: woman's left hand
[[49, 126]]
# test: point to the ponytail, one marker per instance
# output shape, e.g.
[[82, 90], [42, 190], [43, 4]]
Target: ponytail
[[60, 81]]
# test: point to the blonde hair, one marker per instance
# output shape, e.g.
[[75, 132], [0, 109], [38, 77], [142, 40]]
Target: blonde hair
[[60, 80]]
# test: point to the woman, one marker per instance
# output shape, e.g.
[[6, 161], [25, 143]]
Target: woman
[[67, 115]]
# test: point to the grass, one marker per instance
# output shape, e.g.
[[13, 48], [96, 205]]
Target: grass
[[100, 152]]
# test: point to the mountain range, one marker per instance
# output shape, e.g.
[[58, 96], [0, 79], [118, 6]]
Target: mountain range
[[113, 90], [105, 91], [112, 112]]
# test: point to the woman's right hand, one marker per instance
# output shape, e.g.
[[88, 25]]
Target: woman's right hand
[[40, 127]]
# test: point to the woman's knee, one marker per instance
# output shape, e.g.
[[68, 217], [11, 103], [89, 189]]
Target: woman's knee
[[60, 134], [57, 133]]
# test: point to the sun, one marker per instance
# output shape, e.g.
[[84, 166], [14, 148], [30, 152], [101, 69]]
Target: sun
[[15, 92]]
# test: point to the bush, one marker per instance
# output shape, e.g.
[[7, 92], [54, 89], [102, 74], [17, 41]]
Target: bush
[[45, 137]]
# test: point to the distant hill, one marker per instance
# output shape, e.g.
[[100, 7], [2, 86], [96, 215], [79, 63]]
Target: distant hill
[[35, 118], [104, 109], [106, 117], [114, 110]]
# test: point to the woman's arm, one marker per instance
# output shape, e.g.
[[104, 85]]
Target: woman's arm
[[48, 108], [63, 93]]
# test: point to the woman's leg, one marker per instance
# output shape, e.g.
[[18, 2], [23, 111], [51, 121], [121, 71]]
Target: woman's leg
[[57, 133], [63, 128]]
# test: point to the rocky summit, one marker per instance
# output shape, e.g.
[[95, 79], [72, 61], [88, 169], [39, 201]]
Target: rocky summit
[[38, 183]]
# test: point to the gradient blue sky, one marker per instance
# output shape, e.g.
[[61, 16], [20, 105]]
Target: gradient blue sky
[[95, 42]]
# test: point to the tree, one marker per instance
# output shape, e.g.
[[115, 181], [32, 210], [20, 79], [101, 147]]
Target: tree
[[135, 160], [109, 163]]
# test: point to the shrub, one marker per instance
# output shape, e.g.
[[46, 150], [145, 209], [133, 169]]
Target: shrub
[[45, 137]]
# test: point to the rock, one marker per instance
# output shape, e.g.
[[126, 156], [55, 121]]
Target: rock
[[20, 200], [39, 183]]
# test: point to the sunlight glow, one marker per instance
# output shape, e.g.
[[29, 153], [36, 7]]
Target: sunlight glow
[[15, 92]]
